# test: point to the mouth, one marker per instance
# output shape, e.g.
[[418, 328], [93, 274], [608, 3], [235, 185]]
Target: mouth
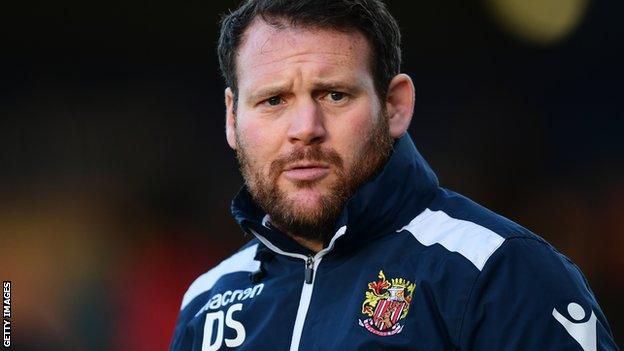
[[306, 171]]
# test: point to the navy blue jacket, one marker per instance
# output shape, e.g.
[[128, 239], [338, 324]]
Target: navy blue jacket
[[411, 266]]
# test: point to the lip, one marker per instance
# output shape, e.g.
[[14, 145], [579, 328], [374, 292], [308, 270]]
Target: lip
[[306, 171]]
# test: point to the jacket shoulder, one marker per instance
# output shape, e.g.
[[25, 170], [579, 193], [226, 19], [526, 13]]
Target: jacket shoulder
[[528, 284], [461, 207], [241, 261], [464, 227]]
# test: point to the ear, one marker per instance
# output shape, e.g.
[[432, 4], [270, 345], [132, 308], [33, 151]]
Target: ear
[[230, 118], [400, 104]]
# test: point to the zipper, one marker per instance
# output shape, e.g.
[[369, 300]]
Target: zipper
[[309, 270], [311, 265]]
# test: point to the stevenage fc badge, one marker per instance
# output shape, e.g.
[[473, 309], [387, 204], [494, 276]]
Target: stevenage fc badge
[[386, 303]]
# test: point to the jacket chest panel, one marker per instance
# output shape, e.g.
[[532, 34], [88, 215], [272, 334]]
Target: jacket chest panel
[[237, 314], [375, 302]]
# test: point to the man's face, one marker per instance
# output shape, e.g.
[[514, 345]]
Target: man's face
[[309, 127]]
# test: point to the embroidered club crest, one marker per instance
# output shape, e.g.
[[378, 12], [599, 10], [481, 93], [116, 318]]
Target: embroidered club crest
[[386, 303]]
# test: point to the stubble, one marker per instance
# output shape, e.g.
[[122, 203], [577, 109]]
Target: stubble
[[299, 220]]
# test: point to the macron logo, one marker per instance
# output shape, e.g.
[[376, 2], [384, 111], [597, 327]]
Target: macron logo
[[583, 332]]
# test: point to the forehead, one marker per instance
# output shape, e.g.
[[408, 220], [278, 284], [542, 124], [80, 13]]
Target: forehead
[[270, 49]]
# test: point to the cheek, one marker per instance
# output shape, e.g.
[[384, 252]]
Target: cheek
[[261, 144], [249, 137], [351, 135]]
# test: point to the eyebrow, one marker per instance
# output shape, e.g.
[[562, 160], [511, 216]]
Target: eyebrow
[[276, 90], [267, 92], [335, 85]]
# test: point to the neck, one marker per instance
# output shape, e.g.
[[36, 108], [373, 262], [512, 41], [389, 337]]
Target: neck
[[314, 245]]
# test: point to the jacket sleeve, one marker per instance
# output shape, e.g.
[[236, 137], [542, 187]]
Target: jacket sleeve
[[530, 297], [182, 335]]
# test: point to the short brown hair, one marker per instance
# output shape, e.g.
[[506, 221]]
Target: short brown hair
[[370, 17]]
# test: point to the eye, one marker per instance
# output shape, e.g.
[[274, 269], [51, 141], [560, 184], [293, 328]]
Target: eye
[[273, 101], [336, 96]]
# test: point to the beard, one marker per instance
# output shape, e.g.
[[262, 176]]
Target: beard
[[315, 224]]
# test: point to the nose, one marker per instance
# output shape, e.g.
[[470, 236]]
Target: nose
[[307, 124]]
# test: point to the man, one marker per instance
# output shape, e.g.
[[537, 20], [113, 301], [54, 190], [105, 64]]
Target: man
[[355, 246]]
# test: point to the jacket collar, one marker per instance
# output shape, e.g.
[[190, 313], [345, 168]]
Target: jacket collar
[[395, 195]]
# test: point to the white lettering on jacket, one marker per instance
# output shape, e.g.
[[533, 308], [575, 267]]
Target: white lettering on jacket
[[230, 296], [215, 324]]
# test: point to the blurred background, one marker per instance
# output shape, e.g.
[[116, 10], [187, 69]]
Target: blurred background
[[115, 177]]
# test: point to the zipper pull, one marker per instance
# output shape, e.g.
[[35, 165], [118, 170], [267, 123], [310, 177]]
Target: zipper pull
[[309, 269]]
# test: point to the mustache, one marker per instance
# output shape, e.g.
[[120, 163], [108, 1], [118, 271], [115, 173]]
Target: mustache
[[309, 153]]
